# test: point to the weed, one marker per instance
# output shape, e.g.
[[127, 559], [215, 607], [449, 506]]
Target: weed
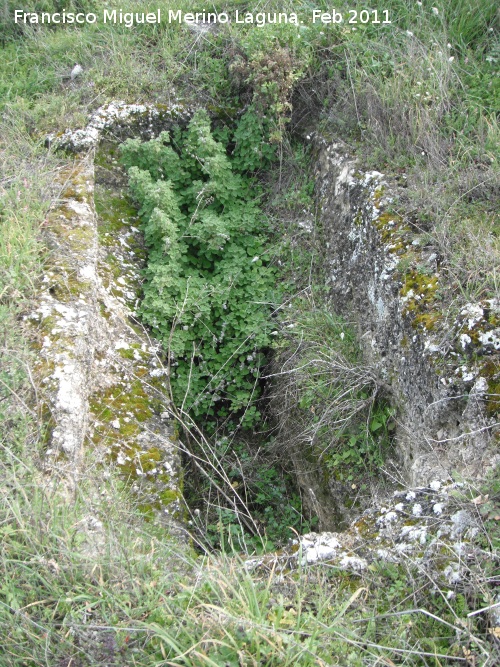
[[90, 582], [332, 409], [208, 279]]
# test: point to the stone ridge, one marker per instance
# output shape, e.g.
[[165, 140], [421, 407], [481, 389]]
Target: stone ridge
[[122, 119], [65, 314], [414, 522], [443, 376], [431, 529], [101, 378]]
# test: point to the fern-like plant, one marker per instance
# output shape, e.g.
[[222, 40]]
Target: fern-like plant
[[208, 281]]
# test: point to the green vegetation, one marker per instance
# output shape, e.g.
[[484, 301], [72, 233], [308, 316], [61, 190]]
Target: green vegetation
[[417, 99], [332, 409], [208, 288], [420, 103], [268, 511], [78, 589]]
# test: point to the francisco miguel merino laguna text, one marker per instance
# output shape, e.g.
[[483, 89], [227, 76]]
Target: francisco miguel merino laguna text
[[129, 19]]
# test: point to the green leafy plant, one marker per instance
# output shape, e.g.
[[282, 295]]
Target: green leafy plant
[[208, 281], [364, 446], [269, 494], [253, 150]]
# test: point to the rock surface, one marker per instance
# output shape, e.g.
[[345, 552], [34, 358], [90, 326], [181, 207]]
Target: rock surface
[[121, 120], [427, 527], [441, 370], [104, 396]]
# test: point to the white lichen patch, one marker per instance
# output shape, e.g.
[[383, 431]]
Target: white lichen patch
[[318, 546], [477, 327], [394, 534], [490, 339]]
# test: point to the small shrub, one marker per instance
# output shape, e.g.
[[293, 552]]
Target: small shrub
[[252, 150], [208, 280]]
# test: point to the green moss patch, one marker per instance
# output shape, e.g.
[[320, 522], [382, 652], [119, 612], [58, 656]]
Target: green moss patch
[[123, 399], [418, 292], [392, 231], [119, 412], [490, 369], [115, 212]]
